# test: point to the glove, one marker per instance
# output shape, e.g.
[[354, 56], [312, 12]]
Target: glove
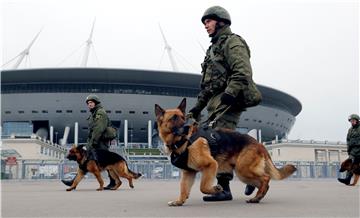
[[227, 99], [194, 113]]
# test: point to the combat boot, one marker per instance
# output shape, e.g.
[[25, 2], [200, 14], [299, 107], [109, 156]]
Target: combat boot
[[225, 195], [112, 183], [68, 182], [347, 180], [249, 189]]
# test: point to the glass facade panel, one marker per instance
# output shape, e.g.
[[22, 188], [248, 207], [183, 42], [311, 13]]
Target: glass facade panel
[[17, 129]]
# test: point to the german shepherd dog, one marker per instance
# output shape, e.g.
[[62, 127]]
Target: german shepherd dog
[[106, 160], [239, 152], [348, 165]]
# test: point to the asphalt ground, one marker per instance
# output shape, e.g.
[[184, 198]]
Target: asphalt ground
[[288, 198]]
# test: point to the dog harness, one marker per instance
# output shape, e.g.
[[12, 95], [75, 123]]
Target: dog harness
[[83, 166], [180, 160]]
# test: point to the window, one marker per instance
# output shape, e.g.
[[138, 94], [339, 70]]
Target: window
[[21, 112], [145, 112], [69, 111], [109, 112], [44, 111], [334, 156], [83, 111], [320, 155], [118, 112], [131, 112], [58, 111], [34, 112]]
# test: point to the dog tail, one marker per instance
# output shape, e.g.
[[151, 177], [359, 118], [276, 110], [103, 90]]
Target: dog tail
[[135, 175], [281, 173]]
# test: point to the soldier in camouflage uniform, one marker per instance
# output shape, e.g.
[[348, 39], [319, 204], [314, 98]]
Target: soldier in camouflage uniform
[[98, 121], [353, 143], [226, 73]]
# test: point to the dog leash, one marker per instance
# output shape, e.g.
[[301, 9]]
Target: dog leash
[[224, 110]]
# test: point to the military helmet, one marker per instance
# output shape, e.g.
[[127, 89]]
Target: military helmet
[[354, 116], [93, 98], [217, 13]]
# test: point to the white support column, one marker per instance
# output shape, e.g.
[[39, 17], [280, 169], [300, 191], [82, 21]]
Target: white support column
[[253, 133], [125, 133], [66, 135], [149, 134], [276, 138], [259, 135], [76, 133], [51, 134]]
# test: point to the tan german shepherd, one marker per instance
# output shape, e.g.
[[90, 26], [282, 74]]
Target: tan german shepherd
[[347, 165], [240, 152], [106, 160]]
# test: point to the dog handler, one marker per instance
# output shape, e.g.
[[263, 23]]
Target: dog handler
[[353, 145], [226, 84], [98, 121]]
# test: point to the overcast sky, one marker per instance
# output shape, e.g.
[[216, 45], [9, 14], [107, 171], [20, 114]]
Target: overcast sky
[[308, 49]]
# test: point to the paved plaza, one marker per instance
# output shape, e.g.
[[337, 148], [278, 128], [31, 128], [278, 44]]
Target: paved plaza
[[289, 198]]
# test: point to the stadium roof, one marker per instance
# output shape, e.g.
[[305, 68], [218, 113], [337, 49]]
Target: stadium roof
[[165, 79]]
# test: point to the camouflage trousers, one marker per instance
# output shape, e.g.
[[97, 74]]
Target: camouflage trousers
[[228, 119]]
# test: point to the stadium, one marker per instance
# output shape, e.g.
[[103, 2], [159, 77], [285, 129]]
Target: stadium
[[49, 101]]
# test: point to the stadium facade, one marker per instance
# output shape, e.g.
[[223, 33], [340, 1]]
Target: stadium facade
[[52, 100]]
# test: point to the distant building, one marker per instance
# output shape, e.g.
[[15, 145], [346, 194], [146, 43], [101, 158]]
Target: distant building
[[307, 150]]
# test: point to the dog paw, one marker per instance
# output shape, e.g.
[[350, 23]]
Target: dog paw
[[99, 189], [131, 186], [69, 189], [218, 188], [175, 203], [253, 200]]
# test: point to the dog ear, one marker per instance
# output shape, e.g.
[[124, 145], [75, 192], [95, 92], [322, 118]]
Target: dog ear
[[182, 105], [159, 111]]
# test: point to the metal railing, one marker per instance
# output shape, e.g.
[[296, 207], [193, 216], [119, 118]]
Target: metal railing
[[40, 169]]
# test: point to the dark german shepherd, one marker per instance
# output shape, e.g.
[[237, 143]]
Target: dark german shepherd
[[106, 160], [239, 152]]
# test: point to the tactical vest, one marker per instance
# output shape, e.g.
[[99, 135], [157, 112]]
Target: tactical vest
[[216, 73]]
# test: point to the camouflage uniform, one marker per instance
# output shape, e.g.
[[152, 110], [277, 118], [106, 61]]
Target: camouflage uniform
[[353, 146], [98, 121], [225, 84], [232, 53], [353, 141]]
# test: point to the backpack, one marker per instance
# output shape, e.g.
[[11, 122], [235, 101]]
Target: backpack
[[110, 133]]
